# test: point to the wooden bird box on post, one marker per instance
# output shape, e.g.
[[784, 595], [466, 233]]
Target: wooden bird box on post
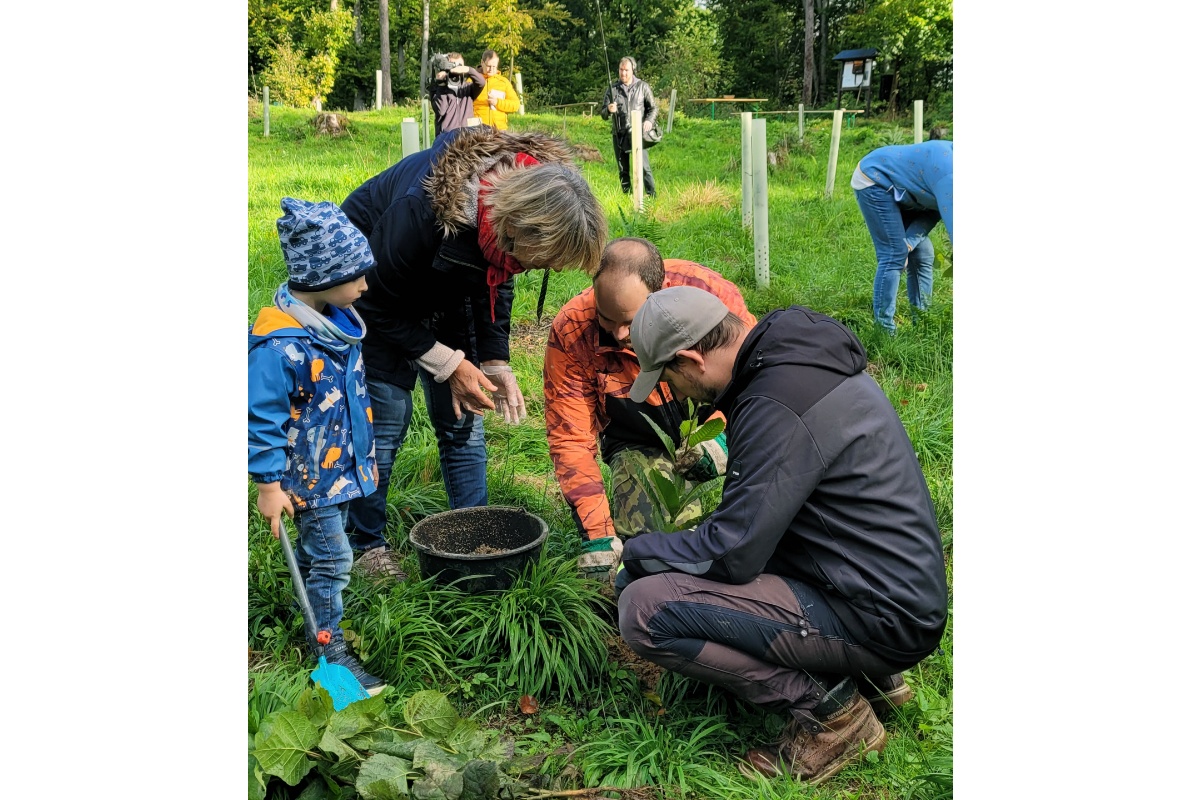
[[856, 74]]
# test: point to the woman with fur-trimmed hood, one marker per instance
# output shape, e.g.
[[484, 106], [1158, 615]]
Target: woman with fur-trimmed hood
[[449, 228]]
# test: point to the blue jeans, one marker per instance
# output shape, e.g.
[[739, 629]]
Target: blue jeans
[[901, 238], [461, 453], [324, 557]]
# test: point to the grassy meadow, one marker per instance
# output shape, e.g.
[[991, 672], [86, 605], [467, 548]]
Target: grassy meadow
[[604, 718]]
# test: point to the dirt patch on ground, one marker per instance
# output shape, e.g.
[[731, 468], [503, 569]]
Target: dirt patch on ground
[[648, 673], [530, 337]]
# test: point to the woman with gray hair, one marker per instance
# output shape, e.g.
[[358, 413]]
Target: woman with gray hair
[[449, 228], [625, 94]]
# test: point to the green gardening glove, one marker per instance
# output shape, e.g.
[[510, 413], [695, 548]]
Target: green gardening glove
[[598, 557], [705, 461]]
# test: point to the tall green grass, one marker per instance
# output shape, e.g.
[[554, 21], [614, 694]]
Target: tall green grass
[[488, 649]]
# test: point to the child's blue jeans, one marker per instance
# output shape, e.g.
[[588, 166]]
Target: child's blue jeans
[[324, 556]]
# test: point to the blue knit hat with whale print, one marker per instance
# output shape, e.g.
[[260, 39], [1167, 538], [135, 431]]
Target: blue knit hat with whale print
[[321, 247]]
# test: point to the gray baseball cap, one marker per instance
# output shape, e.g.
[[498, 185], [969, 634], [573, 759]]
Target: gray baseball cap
[[670, 320]]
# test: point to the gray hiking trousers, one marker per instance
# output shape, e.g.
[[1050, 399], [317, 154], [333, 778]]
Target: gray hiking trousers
[[773, 642]]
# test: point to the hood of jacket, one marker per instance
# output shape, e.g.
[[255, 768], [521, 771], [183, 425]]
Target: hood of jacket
[[272, 323], [795, 336], [453, 183]]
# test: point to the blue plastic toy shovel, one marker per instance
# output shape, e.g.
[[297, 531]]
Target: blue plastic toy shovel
[[340, 682]]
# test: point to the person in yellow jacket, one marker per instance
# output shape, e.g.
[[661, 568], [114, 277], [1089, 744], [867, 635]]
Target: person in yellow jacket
[[498, 98]]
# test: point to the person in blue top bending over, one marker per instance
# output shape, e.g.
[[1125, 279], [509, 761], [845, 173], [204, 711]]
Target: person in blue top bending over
[[903, 190]]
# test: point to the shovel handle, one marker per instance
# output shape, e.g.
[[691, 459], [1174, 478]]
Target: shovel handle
[[310, 621]]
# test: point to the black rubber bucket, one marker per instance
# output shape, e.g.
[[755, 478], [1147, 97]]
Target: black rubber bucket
[[486, 545]]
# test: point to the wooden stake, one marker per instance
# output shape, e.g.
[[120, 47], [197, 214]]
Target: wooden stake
[[520, 94], [918, 121], [800, 121], [378, 89], [635, 158], [266, 111], [671, 112]]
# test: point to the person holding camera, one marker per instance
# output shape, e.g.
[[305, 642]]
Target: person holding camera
[[625, 94], [453, 91]]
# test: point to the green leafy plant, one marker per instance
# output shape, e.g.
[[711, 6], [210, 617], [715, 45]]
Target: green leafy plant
[[669, 494], [435, 753], [640, 751], [543, 633]]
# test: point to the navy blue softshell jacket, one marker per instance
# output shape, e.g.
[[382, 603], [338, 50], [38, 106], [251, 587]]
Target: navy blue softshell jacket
[[426, 287]]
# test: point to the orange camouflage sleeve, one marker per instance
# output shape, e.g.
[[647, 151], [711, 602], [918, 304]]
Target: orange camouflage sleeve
[[573, 422]]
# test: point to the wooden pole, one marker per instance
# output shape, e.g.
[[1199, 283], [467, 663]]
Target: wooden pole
[[918, 121], [635, 157], [834, 140], [800, 121], [378, 89], [671, 112], [266, 111], [747, 169], [762, 250], [410, 137], [520, 95]]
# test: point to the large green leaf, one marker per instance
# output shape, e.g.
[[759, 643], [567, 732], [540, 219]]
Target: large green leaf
[[429, 757], [481, 780], [442, 786], [283, 752], [317, 790], [258, 787], [466, 738], [317, 705], [431, 714], [383, 777]]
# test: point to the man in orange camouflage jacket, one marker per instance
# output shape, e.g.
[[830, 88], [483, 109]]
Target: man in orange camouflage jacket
[[589, 367]]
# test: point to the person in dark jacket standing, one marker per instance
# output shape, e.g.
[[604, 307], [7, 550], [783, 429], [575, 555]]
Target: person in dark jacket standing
[[449, 228], [624, 95], [819, 577]]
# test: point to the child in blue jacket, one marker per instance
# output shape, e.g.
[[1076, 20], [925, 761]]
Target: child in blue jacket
[[311, 446]]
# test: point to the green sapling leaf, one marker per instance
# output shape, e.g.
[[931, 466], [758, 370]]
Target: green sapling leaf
[[668, 442], [284, 751], [709, 430], [258, 787], [383, 777]]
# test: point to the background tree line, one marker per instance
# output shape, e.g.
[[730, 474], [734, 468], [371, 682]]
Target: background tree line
[[567, 50]]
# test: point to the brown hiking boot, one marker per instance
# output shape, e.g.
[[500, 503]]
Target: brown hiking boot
[[885, 692], [379, 563], [814, 751]]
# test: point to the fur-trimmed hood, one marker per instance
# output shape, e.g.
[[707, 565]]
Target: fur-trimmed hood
[[453, 183]]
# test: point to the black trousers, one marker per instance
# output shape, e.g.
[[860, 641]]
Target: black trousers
[[622, 149]]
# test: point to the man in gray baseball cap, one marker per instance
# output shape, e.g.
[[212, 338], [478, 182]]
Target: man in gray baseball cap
[[819, 577]]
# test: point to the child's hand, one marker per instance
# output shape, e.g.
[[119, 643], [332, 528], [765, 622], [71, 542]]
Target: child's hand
[[272, 502], [375, 473]]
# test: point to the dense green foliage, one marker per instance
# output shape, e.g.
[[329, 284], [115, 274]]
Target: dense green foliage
[[598, 721], [567, 50]]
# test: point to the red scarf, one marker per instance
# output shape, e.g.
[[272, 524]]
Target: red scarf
[[501, 265]]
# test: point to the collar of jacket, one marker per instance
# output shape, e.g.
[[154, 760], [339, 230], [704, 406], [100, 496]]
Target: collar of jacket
[[453, 182]]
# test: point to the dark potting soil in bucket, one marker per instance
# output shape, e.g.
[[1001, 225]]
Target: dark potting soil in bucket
[[486, 545]]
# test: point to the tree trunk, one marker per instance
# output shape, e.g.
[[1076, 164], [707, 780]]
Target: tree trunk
[[424, 48], [823, 33], [359, 105], [400, 62], [810, 67], [893, 100], [385, 53]]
